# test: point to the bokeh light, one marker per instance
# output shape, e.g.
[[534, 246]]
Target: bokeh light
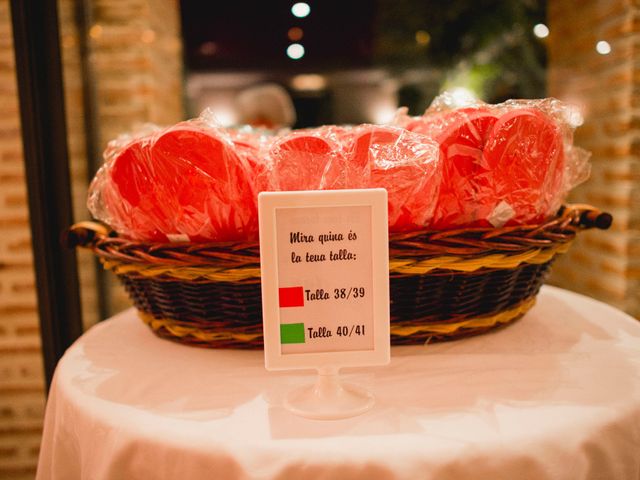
[[300, 9], [309, 82], [603, 47], [423, 38], [295, 34], [541, 30], [295, 51]]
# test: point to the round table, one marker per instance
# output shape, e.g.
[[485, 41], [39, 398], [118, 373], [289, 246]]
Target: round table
[[554, 396]]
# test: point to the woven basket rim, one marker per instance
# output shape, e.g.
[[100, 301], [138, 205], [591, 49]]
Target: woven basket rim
[[463, 243]]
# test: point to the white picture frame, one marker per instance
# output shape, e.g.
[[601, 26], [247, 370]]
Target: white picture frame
[[269, 204]]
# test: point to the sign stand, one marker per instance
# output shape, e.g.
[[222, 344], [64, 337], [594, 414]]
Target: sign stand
[[324, 260], [329, 398]]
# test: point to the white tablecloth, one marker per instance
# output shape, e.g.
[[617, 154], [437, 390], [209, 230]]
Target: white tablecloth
[[554, 396]]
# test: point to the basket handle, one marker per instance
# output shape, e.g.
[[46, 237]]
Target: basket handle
[[591, 217], [84, 234], [597, 219]]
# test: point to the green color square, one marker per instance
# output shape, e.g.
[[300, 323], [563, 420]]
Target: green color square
[[292, 333]]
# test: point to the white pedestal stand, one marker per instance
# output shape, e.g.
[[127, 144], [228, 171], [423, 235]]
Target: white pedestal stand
[[329, 398]]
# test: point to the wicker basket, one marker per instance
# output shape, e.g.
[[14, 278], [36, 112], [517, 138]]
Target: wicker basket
[[444, 285]]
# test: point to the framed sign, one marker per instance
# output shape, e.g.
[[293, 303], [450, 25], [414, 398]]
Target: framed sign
[[325, 278]]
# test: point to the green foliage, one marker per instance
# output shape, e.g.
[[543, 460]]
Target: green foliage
[[489, 41]]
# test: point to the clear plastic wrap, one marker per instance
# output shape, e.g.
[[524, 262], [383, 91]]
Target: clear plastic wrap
[[407, 164], [510, 163], [312, 159], [481, 165], [367, 156], [189, 182]]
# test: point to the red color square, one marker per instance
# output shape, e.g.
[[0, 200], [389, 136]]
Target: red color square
[[291, 297]]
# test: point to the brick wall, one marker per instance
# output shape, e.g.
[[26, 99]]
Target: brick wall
[[21, 377], [605, 265], [136, 61], [136, 58]]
